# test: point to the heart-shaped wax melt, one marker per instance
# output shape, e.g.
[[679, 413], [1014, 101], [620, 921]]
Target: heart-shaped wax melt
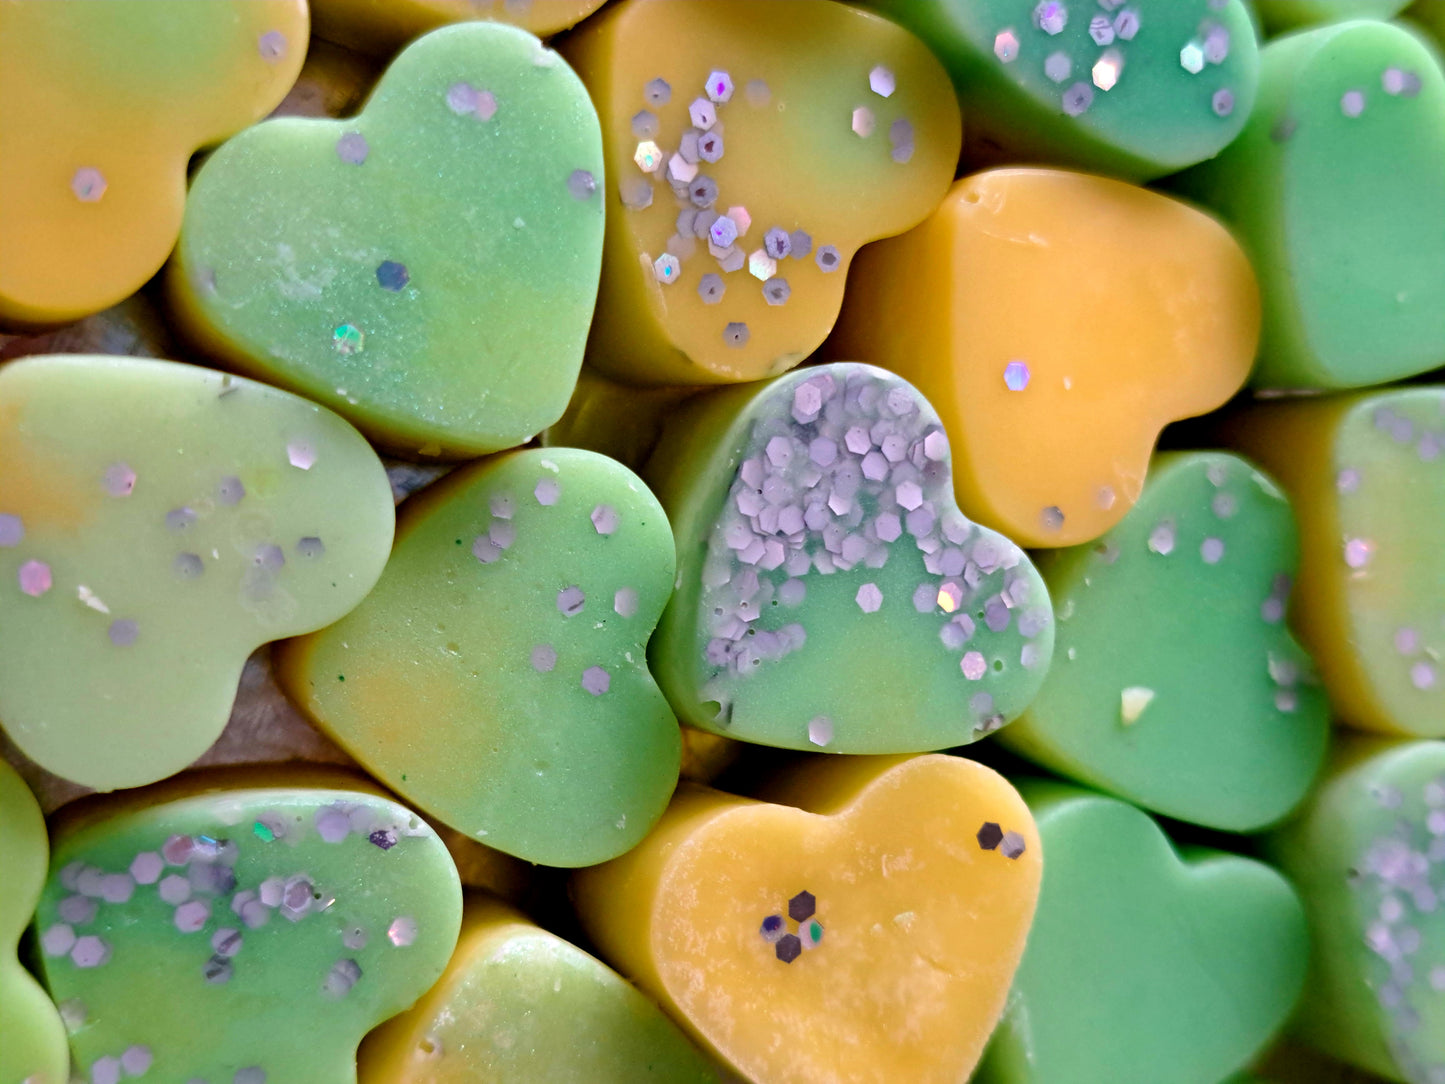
[[1366, 477], [381, 26], [1336, 189], [1139, 309], [243, 936], [104, 106], [33, 1049], [787, 135], [829, 593], [1368, 854], [426, 268], [520, 1004], [1136, 91], [159, 522], [497, 676], [1177, 685], [1141, 967], [869, 934]]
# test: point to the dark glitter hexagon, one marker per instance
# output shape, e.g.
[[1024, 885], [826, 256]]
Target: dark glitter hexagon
[[772, 928], [990, 836], [788, 948], [392, 275], [802, 907]]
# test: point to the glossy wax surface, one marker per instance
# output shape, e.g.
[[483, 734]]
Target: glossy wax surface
[[34, 1050], [158, 523], [1365, 477], [1057, 321], [1336, 188], [811, 127], [497, 676], [1368, 854], [864, 928], [1176, 684], [426, 268], [1135, 91], [104, 106], [830, 595], [1140, 966], [244, 935], [518, 1005]]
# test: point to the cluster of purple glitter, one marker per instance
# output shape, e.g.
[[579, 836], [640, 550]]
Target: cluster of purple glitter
[[856, 462]]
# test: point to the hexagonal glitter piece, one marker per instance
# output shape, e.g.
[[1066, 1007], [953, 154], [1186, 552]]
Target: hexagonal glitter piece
[[736, 334], [777, 291], [788, 948], [772, 929], [644, 124], [348, 339], [88, 184], [1077, 99], [648, 156], [90, 951], [680, 170], [723, 231], [118, 480], [402, 931], [352, 148], [803, 906], [1352, 103], [1016, 375], [604, 519], [710, 146], [1191, 58], [1051, 16], [1107, 69], [761, 266], [1012, 845], [863, 122], [1006, 46], [657, 92], [12, 530], [990, 836], [58, 940], [869, 598], [828, 259], [1223, 102], [777, 243], [719, 87], [703, 192], [703, 113], [146, 867], [34, 578], [1126, 24], [667, 267], [392, 276], [711, 288], [1058, 66], [820, 730], [570, 601], [596, 680], [881, 82], [973, 665], [810, 934], [1101, 29]]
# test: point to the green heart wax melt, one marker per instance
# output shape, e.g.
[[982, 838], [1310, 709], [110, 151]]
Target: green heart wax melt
[[32, 1036], [243, 936], [158, 523], [520, 1004], [1133, 90], [426, 268], [1368, 855], [497, 676], [1336, 189], [1176, 684], [1366, 477], [830, 594], [1144, 966]]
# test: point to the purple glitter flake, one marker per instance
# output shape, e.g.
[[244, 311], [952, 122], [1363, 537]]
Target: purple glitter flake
[[352, 148], [119, 480], [12, 530], [34, 578], [1016, 375], [570, 601], [596, 680]]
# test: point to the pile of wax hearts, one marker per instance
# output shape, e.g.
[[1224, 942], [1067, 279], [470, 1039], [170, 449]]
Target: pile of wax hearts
[[886, 541]]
